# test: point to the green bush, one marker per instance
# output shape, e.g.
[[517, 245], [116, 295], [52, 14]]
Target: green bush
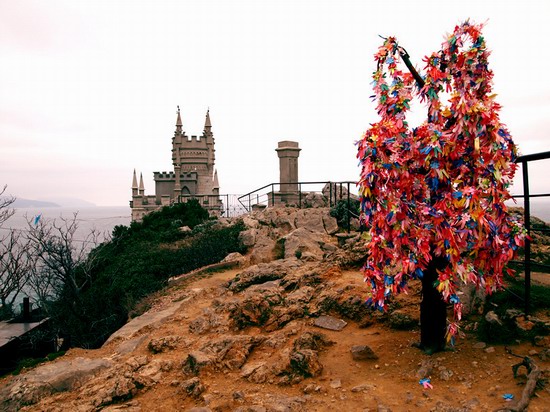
[[137, 262], [341, 211]]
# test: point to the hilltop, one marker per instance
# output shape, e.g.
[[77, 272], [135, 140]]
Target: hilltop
[[283, 328]]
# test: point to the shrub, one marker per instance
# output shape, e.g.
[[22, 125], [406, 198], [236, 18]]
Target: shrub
[[341, 211], [137, 262]]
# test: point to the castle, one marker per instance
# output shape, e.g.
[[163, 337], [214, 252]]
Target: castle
[[194, 174]]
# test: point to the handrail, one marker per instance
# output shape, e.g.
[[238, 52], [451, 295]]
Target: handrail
[[524, 160]]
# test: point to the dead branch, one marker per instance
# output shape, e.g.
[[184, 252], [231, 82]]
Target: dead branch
[[533, 376], [5, 202]]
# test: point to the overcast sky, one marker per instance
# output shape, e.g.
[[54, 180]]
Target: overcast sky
[[89, 89]]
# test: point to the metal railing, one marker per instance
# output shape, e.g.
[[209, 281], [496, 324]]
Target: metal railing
[[301, 194], [225, 205], [527, 262]]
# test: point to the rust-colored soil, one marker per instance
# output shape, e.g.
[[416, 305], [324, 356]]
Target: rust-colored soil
[[466, 379]]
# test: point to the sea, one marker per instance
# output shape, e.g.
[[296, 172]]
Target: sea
[[101, 219], [540, 207]]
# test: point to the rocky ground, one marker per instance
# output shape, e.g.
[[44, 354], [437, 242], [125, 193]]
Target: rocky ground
[[286, 330]]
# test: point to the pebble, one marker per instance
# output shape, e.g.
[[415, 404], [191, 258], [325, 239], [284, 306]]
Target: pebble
[[479, 345], [490, 349], [336, 384]]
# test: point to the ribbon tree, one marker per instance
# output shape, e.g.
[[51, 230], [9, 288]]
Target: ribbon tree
[[433, 196]]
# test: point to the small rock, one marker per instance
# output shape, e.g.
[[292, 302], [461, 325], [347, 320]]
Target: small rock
[[336, 384], [193, 387], [362, 388], [444, 373], [543, 341], [425, 369], [362, 352], [493, 318], [490, 349], [479, 345], [238, 395], [524, 324], [163, 344], [330, 322]]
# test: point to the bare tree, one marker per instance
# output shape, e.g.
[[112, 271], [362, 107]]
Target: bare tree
[[15, 265], [5, 202], [62, 261]]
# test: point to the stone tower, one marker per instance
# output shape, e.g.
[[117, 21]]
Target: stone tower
[[194, 173]]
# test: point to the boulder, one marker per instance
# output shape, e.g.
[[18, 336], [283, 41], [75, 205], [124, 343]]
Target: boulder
[[50, 378], [300, 241], [261, 273], [230, 351], [163, 344], [362, 352], [263, 249], [299, 364], [330, 223], [257, 372], [235, 257], [314, 200], [192, 387], [195, 362], [248, 237], [330, 322]]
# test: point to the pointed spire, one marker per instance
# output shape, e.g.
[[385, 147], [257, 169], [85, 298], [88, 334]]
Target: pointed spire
[[216, 184], [207, 121], [141, 187], [134, 185], [178, 121]]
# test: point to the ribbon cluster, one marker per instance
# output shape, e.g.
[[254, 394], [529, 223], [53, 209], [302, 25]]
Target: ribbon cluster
[[438, 189]]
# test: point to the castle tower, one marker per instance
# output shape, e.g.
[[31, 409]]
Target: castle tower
[[194, 173]]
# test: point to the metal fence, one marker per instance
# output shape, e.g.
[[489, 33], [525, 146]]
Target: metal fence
[[299, 194], [527, 196], [302, 194], [219, 205]]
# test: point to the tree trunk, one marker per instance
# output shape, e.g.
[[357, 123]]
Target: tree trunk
[[433, 310]]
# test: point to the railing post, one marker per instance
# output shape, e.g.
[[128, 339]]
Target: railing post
[[527, 222], [349, 212], [299, 195], [329, 194]]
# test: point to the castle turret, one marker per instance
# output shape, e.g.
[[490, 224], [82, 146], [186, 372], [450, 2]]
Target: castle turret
[[134, 185], [176, 161], [209, 136], [216, 183], [141, 187]]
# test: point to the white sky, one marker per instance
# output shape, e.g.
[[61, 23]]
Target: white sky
[[89, 89]]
